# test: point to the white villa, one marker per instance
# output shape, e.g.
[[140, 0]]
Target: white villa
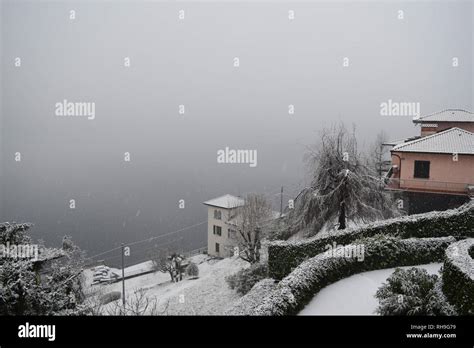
[[220, 235]]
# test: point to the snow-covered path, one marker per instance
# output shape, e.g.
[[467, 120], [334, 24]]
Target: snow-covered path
[[354, 295]]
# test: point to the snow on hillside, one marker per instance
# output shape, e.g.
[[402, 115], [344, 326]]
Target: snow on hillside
[[207, 295]]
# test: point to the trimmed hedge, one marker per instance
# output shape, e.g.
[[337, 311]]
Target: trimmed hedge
[[297, 289], [246, 278], [458, 276], [284, 256], [253, 298]]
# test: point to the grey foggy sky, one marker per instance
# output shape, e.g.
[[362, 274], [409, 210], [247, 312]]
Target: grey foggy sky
[[189, 62]]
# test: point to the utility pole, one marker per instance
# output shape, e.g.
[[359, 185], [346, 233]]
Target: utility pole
[[281, 202], [123, 278]]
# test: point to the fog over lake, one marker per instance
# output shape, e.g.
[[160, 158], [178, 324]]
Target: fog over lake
[[190, 62]]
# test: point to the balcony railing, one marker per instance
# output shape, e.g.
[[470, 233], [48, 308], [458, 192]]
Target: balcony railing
[[426, 185]]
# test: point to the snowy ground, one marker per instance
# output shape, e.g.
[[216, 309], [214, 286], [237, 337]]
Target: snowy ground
[[207, 295], [354, 295]]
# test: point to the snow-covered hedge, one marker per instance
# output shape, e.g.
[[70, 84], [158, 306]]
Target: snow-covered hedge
[[291, 294], [252, 298], [246, 278], [283, 256], [458, 276]]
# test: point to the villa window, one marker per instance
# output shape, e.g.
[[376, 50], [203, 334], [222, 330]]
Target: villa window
[[217, 230], [232, 234], [217, 247], [422, 170], [217, 214]]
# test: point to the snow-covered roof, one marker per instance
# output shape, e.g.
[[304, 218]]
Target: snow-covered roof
[[393, 142], [400, 141], [453, 140], [226, 201], [48, 254], [448, 115]]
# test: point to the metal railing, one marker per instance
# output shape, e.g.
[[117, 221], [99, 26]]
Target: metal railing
[[428, 185]]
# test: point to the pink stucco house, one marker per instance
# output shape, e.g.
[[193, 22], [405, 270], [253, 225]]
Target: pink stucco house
[[442, 120], [441, 160]]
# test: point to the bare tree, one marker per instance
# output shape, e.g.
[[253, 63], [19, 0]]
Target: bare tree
[[343, 186], [378, 153], [162, 262], [177, 261], [165, 261], [251, 219], [135, 305]]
